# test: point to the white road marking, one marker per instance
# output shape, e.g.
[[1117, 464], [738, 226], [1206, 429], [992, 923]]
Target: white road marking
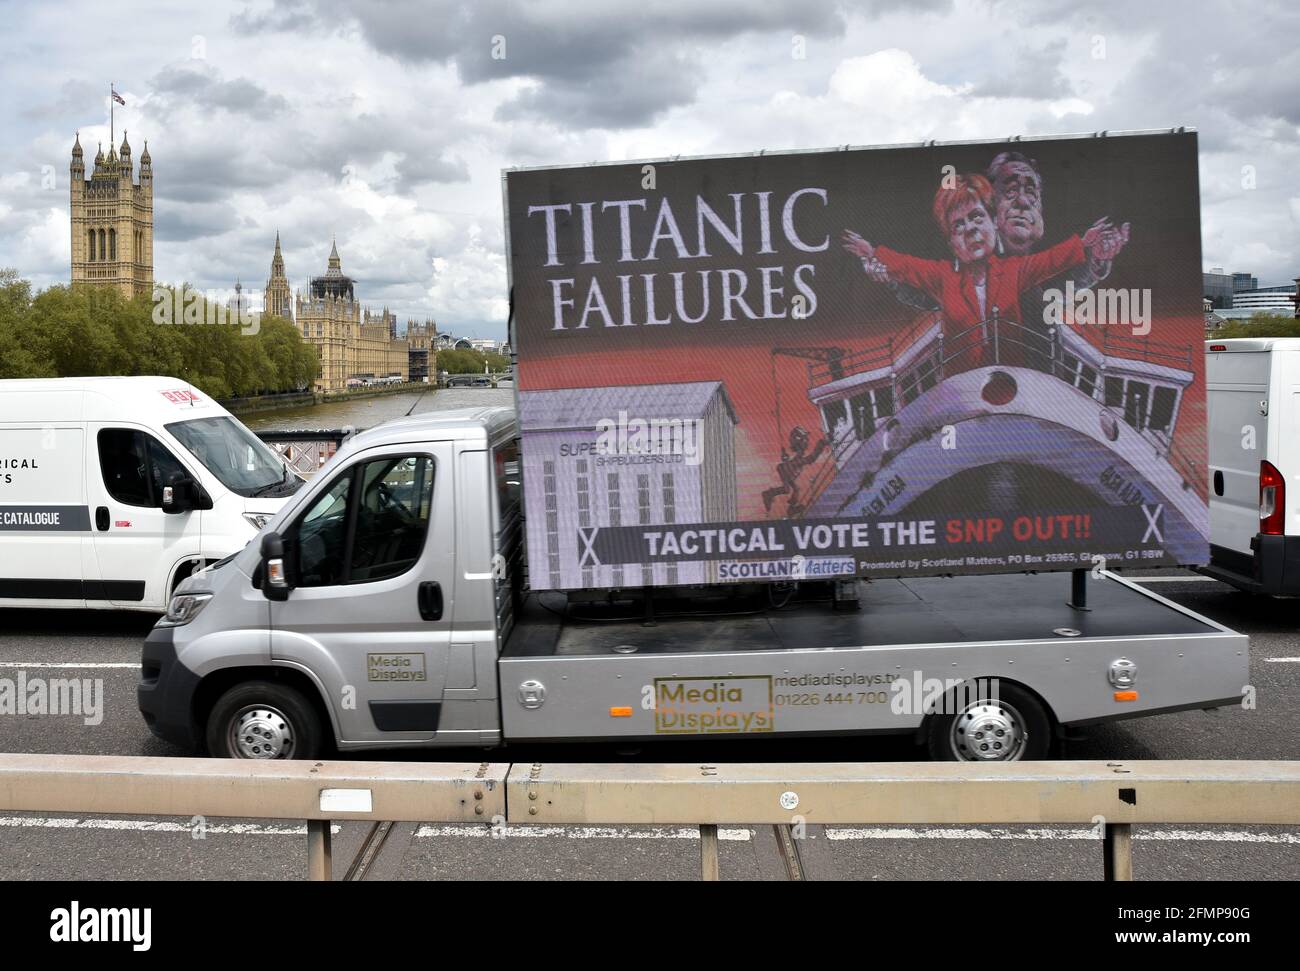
[[579, 832], [155, 826], [1282, 660], [1173, 835], [1172, 579], [744, 835], [88, 665]]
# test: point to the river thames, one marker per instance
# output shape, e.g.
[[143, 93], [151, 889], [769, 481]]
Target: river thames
[[368, 412]]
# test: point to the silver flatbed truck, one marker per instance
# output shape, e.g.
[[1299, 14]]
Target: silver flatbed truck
[[385, 606]]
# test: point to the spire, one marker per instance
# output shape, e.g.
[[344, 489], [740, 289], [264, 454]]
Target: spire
[[76, 147], [277, 261], [144, 158], [126, 146], [335, 264]]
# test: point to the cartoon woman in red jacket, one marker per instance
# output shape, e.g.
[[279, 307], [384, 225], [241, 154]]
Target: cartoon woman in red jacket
[[980, 285]]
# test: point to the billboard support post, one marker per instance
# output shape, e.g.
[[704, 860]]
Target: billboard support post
[[1079, 589]]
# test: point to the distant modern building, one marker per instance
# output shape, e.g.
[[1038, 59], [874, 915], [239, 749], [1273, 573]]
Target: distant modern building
[[1244, 281], [1217, 286], [1278, 301], [351, 342], [112, 221]]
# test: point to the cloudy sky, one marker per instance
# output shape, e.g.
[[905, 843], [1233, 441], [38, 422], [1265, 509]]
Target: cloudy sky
[[387, 123]]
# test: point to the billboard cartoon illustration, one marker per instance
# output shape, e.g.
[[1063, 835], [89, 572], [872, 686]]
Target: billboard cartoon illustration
[[941, 359]]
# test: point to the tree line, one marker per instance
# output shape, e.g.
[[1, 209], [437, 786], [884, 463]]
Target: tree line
[[83, 331], [471, 361], [1260, 325]]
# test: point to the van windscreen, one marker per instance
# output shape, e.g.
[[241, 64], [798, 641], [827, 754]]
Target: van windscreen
[[242, 461]]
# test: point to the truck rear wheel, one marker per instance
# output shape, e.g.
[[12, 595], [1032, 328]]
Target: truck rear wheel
[[264, 720], [1009, 726]]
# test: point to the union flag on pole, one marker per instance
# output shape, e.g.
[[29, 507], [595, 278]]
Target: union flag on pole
[[118, 98]]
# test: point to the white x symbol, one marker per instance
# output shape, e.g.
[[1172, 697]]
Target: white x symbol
[[1153, 524], [587, 540]]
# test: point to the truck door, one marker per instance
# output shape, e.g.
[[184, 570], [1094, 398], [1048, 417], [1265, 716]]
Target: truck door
[[370, 558], [137, 544]]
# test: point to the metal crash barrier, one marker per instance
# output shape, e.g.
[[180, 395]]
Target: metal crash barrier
[[1112, 796]]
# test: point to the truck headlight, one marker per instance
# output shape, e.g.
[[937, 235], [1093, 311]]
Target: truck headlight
[[183, 608], [257, 519]]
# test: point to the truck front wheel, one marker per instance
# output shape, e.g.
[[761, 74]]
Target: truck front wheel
[[1009, 725], [264, 720]]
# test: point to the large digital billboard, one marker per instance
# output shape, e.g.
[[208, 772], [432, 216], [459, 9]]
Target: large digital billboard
[[938, 359]]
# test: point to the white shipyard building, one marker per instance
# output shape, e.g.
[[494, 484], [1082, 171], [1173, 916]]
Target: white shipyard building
[[641, 455]]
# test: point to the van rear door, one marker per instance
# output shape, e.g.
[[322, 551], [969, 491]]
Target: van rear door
[[1239, 416], [45, 544]]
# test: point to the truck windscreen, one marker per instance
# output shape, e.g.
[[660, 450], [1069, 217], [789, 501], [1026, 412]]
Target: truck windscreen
[[242, 461]]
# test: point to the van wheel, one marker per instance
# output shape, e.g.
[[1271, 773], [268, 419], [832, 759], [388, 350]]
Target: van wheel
[[1011, 727], [264, 720]]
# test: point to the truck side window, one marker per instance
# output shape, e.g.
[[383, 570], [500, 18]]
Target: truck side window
[[392, 517], [135, 466], [508, 476], [369, 525], [321, 537]]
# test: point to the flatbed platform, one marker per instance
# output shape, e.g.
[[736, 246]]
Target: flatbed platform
[[929, 610], [582, 671]]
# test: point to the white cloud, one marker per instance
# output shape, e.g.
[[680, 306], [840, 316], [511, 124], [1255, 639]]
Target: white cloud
[[391, 132]]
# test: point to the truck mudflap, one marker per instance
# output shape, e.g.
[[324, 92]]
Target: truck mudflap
[[1133, 654]]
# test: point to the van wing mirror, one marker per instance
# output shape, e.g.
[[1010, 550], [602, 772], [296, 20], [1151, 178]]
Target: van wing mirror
[[274, 573], [177, 493], [181, 494]]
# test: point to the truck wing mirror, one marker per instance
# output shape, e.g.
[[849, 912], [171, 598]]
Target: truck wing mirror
[[275, 576]]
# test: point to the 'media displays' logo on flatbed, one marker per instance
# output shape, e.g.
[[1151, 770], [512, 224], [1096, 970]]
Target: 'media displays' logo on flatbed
[[713, 706]]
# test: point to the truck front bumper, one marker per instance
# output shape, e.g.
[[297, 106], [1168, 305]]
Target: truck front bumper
[[165, 694]]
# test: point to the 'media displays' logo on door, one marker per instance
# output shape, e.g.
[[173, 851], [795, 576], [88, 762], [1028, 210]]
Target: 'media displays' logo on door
[[713, 706], [395, 667]]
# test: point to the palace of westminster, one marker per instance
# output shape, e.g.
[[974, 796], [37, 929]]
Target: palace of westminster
[[112, 246]]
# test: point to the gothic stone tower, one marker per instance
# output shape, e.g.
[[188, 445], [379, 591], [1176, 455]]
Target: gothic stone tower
[[277, 299], [112, 221]]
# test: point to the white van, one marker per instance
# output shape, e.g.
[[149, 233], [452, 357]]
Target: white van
[[1254, 425], [113, 490]]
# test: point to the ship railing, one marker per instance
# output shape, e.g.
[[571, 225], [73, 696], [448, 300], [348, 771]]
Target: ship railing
[[993, 341]]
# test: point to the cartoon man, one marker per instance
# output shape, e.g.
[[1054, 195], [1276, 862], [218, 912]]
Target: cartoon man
[[793, 461], [1017, 199], [980, 284]]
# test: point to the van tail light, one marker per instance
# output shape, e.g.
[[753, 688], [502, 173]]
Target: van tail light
[[1272, 500]]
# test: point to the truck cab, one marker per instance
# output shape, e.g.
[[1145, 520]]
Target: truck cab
[[384, 617]]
